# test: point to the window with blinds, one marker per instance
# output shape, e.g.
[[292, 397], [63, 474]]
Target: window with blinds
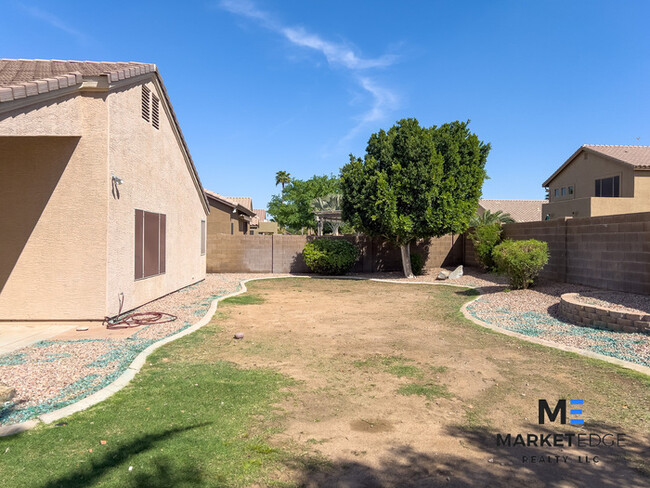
[[203, 238], [150, 244]]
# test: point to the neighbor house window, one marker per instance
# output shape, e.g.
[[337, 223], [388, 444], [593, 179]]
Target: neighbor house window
[[570, 190], [608, 187], [557, 192], [202, 237], [563, 191], [232, 228], [150, 240]]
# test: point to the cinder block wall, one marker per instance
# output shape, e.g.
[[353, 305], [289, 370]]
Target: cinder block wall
[[283, 253], [611, 252]]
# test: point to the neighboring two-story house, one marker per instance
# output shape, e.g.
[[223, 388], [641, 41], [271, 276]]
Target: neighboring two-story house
[[101, 206], [600, 180]]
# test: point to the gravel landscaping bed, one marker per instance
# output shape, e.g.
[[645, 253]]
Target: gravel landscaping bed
[[534, 313], [51, 374], [620, 302]]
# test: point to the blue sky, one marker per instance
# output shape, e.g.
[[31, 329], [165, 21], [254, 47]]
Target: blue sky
[[262, 86]]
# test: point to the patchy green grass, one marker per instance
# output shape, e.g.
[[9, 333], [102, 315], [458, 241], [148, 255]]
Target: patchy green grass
[[179, 423], [428, 390], [245, 299]]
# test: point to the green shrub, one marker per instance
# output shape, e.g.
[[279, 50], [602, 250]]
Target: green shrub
[[330, 256], [485, 237], [417, 263], [521, 261]]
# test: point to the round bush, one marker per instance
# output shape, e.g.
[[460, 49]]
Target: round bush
[[330, 256], [521, 261]]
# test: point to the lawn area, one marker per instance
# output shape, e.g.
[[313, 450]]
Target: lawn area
[[349, 383]]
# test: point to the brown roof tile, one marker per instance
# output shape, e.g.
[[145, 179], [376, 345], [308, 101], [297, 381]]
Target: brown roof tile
[[519, 210], [21, 78]]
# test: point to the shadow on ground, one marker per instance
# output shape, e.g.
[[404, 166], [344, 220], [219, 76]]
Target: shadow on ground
[[162, 473], [403, 466]]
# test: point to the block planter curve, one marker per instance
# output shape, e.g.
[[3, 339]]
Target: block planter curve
[[577, 311]]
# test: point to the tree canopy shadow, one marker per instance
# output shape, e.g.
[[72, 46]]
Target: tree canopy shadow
[[166, 473], [404, 466]]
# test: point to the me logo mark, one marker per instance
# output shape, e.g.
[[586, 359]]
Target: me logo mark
[[560, 410]]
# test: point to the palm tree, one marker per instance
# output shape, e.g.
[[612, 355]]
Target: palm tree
[[488, 218], [282, 178]]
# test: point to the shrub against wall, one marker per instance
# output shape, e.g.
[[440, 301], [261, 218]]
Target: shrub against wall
[[521, 261], [417, 263], [485, 237], [330, 256]]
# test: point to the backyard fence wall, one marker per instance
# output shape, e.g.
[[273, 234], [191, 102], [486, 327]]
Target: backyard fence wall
[[611, 252], [283, 253]]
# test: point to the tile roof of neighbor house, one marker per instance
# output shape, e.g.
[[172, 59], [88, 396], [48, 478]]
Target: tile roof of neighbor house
[[23, 78], [260, 213], [519, 210], [230, 202], [636, 156], [244, 201]]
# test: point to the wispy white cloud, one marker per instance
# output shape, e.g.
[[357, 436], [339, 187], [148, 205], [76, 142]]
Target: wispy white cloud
[[52, 20], [337, 55]]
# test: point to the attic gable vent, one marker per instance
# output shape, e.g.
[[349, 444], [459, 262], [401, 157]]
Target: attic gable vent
[[155, 111], [145, 102]]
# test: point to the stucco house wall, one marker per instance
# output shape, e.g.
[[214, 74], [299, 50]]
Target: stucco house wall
[[156, 179], [581, 173], [51, 228], [67, 238]]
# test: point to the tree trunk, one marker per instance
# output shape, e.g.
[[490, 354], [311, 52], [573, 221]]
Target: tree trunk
[[406, 260]]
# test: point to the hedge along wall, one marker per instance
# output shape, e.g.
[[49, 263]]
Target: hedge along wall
[[283, 253], [611, 252]]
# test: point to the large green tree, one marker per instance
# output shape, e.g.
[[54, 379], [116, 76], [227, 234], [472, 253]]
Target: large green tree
[[415, 182], [293, 209]]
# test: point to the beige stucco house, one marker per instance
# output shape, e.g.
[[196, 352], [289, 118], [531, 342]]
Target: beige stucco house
[[261, 225], [228, 216], [100, 202], [600, 180]]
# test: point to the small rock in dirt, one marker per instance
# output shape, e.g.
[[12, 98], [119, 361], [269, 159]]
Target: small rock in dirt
[[239, 335], [443, 275], [6, 393], [81, 329], [491, 460], [457, 273]]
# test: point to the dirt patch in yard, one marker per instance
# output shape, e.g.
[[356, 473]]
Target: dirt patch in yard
[[396, 388]]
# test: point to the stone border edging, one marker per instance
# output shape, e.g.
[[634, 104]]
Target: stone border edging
[[599, 317], [140, 360]]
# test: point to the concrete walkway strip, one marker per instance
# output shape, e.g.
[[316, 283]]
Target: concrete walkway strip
[[140, 359]]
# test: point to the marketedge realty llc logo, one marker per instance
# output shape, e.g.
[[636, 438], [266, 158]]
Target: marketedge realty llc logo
[[563, 441]]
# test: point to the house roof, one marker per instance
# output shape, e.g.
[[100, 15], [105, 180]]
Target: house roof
[[24, 78], [519, 210], [229, 202], [260, 213], [635, 156], [245, 201]]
